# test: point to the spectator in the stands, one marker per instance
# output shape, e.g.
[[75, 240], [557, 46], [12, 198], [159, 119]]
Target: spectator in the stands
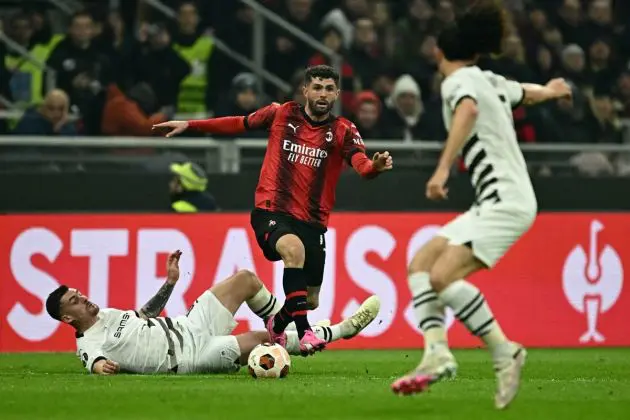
[[623, 93], [48, 119], [573, 65], [418, 22], [158, 64], [23, 74], [544, 64], [188, 189], [365, 54], [115, 39], [569, 120], [511, 63], [286, 53], [243, 99], [333, 38], [404, 117], [82, 70], [355, 9], [444, 14], [607, 127], [600, 20], [601, 68], [571, 22], [368, 116], [133, 114], [423, 67], [198, 91], [297, 89], [385, 28], [552, 38]]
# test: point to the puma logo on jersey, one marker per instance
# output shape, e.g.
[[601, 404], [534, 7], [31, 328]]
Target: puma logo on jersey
[[294, 127]]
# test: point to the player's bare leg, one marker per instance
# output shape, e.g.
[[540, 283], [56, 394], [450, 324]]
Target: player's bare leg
[[292, 251], [471, 309], [429, 311], [246, 287], [437, 360]]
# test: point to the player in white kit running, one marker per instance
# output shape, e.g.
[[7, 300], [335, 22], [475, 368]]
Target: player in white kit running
[[477, 109], [112, 340]]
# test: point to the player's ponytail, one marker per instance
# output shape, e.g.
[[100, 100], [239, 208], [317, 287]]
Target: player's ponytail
[[479, 31]]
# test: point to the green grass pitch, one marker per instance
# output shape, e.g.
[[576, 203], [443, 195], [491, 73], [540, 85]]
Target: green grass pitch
[[558, 384]]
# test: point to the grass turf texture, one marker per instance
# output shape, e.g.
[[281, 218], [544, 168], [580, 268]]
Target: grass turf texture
[[557, 384]]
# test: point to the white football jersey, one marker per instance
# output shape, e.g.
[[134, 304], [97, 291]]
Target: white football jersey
[[492, 155], [138, 345]]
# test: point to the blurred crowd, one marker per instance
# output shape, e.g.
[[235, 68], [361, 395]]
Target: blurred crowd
[[120, 71]]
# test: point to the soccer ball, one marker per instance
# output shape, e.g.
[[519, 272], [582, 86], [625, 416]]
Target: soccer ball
[[269, 361]]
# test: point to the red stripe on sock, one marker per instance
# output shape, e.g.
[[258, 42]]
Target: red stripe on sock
[[299, 313], [296, 294]]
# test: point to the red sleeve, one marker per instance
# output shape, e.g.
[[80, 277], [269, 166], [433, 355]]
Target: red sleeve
[[262, 118], [354, 153], [223, 125]]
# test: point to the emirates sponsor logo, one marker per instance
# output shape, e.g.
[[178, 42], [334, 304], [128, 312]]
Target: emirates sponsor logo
[[305, 155]]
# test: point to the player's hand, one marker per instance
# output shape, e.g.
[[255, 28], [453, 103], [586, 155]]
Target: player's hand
[[382, 161], [110, 368], [172, 267], [175, 127], [436, 189], [560, 88]]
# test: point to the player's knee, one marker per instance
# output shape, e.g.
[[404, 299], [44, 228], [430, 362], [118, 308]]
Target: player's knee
[[440, 279], [293, 253], [248, 280], [426, 256]]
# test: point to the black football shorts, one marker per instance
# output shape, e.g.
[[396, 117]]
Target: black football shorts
[[269, 227]]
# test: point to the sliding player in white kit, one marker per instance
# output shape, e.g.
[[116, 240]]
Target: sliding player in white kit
[[112, 340], [477, 108]]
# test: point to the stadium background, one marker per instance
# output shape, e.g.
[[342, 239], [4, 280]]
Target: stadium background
[[85, 187]]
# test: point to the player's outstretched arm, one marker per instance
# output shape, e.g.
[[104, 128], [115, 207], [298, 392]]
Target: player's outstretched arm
[[105, 367], [464, 120], [260, 119], [554, 89], [157, 303], [223, 125]]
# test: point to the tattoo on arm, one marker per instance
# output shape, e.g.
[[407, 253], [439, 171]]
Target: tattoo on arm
[[156, 304]]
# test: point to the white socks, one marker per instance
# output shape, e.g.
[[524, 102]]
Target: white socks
[[472, 310], [429, 311], [330, 334], [264, 304]]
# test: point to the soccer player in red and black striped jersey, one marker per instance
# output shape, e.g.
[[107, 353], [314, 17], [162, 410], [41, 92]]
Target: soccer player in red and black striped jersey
[[307, 150]]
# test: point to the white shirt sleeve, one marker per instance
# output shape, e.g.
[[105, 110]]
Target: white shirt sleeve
[[516, 93], [514, 90], [89, 352], [457, 88]]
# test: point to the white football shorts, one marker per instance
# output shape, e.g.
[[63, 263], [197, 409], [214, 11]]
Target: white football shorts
[[491, 230], [210, 348]]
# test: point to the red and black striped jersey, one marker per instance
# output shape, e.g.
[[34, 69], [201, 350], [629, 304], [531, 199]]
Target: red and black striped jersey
[[303, 161]]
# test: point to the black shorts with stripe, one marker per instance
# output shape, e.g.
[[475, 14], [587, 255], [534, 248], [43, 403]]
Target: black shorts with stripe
[[269, 227]]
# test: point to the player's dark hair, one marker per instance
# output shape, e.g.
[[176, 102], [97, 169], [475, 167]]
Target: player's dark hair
[[321, 72], [479, 31], [53, 302]]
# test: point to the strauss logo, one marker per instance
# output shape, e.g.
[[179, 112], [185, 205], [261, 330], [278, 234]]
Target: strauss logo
[[592, 283]]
